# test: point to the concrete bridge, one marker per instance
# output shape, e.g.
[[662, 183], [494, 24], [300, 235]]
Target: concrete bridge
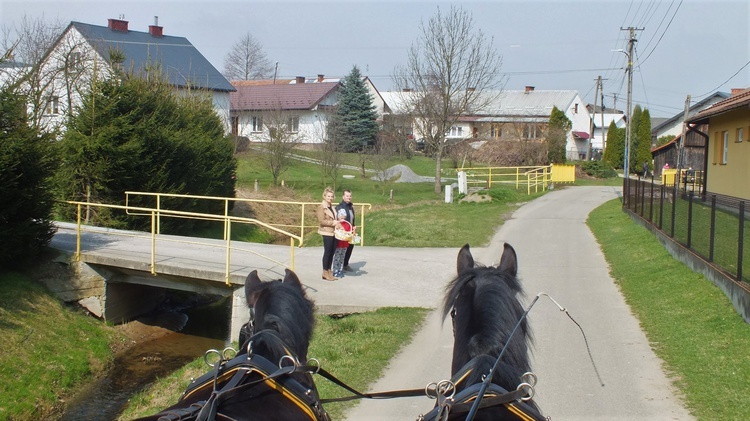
[[121, 273]]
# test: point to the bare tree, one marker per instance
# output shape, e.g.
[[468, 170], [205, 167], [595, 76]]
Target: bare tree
[[329, 152], [247, 60], [452, 70], [57, 69], [281, 136]]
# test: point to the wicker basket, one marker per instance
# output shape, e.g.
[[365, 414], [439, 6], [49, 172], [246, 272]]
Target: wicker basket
[[342, 235]]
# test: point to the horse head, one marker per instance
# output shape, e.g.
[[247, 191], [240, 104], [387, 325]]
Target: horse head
[[282, 308], [485, 307]]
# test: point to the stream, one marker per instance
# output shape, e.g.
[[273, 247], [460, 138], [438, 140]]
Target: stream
[[199, 328]]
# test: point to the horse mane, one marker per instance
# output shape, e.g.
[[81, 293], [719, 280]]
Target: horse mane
[[282, 307], [487, 308]]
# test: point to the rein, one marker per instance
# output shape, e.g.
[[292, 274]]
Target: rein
[[488, 377]]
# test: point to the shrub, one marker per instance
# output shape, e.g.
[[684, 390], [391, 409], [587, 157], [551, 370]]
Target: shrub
[[598, 169]]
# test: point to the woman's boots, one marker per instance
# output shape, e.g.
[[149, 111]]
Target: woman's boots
[[328, 275]]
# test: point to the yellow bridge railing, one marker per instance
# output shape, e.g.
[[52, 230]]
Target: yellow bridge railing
[[155, 214], [533, 177], [302, 212]]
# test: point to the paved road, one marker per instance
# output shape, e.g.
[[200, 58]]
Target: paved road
[[557, 255]]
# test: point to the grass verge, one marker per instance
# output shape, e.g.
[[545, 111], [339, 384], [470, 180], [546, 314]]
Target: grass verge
[[48, 350], [690, 323], [338, 342]]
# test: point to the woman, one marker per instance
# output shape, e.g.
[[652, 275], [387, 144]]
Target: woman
[[327, 224]]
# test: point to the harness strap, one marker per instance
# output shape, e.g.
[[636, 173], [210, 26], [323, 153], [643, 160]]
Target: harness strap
[[359, 395], [465, 401]]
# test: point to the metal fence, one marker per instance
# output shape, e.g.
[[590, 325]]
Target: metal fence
[[714, 227]]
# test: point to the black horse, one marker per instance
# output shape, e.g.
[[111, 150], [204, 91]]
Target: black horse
[[268, 379], [488, 320]]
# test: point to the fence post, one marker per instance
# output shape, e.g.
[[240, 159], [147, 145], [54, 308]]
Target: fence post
[[690, 220], [662, 189], [651, 202], [712, 234], [154, 215], [674, 205], [78, 234], [229, 250], [740, 245]]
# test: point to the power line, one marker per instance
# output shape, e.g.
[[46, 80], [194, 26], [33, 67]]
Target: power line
[[725, 82], [663, 33]]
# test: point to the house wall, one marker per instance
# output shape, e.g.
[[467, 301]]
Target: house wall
[[729, 178], [65, 80], [312, 125], [57, 77], [581, 122]]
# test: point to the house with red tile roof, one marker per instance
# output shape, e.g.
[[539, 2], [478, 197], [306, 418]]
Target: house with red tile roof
[[301, 105]]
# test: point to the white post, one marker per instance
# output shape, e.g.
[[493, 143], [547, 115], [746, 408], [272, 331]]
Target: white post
[[462, 183], [448, 193]]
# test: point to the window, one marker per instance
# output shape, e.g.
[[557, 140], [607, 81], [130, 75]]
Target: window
[[531, 131], [455, 131], [256, 123], [53, 105], [740, 135], [725, 148], [75, 61], [293, 124], [496, 131]]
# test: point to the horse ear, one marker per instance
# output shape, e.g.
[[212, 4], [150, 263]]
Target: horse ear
[[291, 278], [508, 261], [465, 260], [251, 283]]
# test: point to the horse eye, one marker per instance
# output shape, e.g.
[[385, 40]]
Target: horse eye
[[453, 313]]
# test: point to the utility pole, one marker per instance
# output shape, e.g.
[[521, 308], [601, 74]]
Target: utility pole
[[593, 115], [628, 127], [681, 145], [604, 140]]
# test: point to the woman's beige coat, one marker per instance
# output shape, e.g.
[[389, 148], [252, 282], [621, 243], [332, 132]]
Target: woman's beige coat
[[326, 219]]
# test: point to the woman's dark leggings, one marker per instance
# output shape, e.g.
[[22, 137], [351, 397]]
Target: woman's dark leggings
[[329, 247]]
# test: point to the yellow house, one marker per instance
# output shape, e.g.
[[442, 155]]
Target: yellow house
[[728, 148]]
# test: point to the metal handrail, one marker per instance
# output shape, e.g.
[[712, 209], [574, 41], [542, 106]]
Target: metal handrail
[[155, 213], [304, 206], [518, 176]]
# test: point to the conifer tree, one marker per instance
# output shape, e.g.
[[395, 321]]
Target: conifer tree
[[614, 150], [557, 135], [27, 162], [635, 122], [643, 135], [136, 135], [356, 117]]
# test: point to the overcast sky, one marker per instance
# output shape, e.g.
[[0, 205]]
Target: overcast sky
[[686, 47]]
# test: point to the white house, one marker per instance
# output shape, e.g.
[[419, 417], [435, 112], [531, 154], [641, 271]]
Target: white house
[[302, 105], [602, 121], [85, 51], [516, 115]]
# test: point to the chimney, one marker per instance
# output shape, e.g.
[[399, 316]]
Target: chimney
[[529, 89], [406, 90], [300, 79], [737, 91], [321, 77], [471, 89], [155, 30], [118, 25]]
